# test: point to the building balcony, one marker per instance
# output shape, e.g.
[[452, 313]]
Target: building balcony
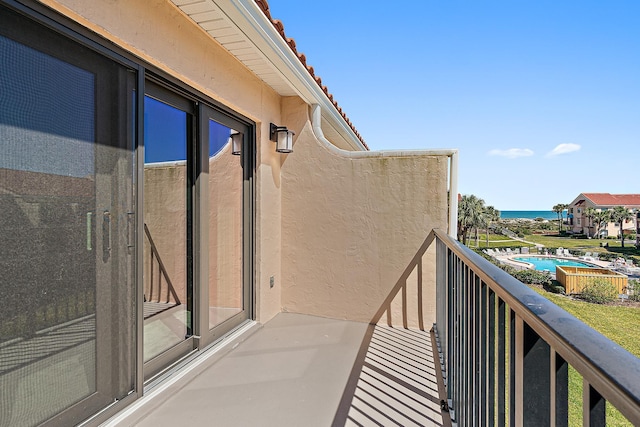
[[497, 354]]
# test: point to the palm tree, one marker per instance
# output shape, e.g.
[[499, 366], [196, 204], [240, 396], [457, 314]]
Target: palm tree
[[470, 211], [559, 208], [491, 215], [601, 218], [620, 214], [590, 214]]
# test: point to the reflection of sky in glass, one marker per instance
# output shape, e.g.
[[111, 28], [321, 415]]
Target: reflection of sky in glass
[[218, 137], [47, 113], [165, 132]]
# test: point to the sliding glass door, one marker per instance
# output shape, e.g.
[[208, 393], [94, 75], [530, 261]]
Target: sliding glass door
[[66, 230], [74, 336], [168, 186], [224, 219], [197, 204]]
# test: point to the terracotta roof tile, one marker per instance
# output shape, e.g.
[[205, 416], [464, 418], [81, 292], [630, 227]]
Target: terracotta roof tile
[[607, 199], [278, 25]]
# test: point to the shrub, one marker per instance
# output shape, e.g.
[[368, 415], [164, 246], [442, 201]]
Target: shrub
[[533, 277], [633, 290], [599, 291], [607, 256], [556, 289]]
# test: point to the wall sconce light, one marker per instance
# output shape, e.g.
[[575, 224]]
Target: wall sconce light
[[283, 138], [236, 143]]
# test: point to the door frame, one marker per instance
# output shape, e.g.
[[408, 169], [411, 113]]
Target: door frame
[[247, 159], [176, 94]]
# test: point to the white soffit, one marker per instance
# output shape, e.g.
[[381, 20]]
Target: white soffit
[[242, 28], [209, 16]]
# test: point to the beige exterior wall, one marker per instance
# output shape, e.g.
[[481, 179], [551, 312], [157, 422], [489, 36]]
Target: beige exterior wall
[[165, 214], [225, 230], [350, 227], [156, 31], [581, 223], [335, 233]]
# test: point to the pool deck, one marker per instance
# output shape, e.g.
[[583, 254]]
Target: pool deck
[[509, 260]]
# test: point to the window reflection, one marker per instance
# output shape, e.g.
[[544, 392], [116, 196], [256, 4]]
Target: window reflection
[[225, 227], [165, 227]]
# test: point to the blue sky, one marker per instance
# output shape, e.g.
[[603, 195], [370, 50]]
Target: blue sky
[[542, 98]]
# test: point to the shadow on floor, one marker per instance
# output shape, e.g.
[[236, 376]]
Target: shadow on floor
[[393, 382]]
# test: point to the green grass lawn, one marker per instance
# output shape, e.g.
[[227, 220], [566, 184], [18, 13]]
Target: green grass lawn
[[496, 241], [618, 323], [551, 241]]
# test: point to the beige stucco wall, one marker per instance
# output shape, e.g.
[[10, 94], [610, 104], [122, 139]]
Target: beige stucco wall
[[165, 214], [156, 31], [225, 230], [350, 227]]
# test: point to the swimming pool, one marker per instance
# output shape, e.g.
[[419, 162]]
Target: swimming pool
[[550, 264]]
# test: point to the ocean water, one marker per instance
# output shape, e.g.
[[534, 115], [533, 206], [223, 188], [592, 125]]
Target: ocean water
[[550, 215]]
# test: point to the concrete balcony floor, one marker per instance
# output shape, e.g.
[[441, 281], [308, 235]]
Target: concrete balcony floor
[[303, 370]]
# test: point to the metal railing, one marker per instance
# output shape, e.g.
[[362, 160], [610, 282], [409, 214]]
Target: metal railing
[[507, 350], [155, 288]]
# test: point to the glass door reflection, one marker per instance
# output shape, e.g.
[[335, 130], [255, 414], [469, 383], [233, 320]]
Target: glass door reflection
[[167, 318], [226, 296]]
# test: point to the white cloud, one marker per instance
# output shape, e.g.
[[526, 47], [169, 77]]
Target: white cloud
[[563, 149], [512, 153]]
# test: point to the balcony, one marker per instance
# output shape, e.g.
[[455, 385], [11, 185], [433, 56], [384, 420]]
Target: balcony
[[497, 354]]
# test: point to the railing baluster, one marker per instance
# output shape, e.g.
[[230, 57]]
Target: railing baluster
[[509, 350], [483, 367], [162, 273], [460, 368], [593, 407], [420, 311], [476, 351], [151, 276], [559, 390], [459, 344], [492, 367], [536, 403], [466, 349], [502, 353], [452, 338], [457, 350], [513, 361], [405, 321]]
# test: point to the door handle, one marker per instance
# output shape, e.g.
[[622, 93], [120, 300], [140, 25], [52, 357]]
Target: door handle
[[130, 219], [106, 231], [89, 226]]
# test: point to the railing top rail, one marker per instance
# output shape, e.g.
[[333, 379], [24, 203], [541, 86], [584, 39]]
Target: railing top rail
[[608, 367]]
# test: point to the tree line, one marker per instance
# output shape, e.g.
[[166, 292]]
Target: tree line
[[473, 215]]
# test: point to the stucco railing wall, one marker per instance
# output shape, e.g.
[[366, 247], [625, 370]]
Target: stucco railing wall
[[351, 226]]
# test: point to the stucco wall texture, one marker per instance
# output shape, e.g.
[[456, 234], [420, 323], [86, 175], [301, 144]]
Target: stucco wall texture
[[157, 32], [335, 232], [350, 227]]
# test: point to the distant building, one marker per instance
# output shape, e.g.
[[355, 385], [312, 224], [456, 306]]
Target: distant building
[[579, 223]]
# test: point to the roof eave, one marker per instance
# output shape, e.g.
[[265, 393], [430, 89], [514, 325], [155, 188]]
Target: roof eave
[[260, 30]]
